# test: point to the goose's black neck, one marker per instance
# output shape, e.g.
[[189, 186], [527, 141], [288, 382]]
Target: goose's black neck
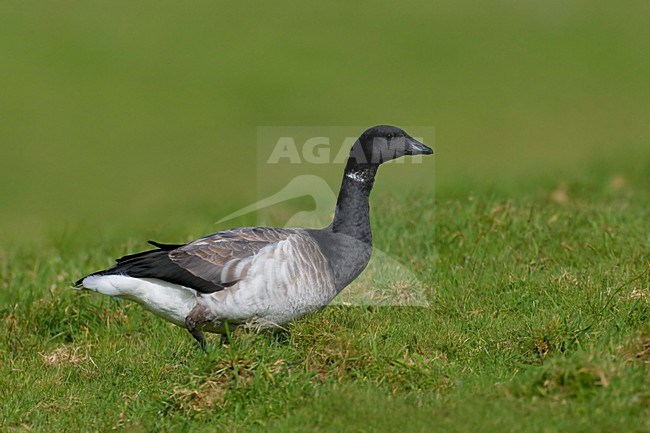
[[352, 216]]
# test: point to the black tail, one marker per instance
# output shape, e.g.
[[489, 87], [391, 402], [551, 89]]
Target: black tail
[[161, 247], [156, 264]]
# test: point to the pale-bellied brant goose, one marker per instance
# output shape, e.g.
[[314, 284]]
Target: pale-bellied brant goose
[[261, 276]]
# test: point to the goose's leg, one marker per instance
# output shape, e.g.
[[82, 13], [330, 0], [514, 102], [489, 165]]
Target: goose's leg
[[196, 333], [199, 315]]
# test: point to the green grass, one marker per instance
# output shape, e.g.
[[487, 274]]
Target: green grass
[[121, 123], [538, 321]]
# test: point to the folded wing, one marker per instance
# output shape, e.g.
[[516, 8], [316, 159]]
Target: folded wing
[[208, 264]]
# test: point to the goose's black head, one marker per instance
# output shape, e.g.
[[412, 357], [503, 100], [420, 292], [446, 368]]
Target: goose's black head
[[383, 143]]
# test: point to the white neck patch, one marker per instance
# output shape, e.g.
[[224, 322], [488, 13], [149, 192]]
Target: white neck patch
[[355, 176]]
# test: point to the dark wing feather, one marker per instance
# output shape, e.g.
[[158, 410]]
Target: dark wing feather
[[198, 264], [156, 264], [164, 247]]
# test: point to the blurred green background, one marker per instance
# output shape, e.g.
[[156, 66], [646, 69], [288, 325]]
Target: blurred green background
[[140, 115]]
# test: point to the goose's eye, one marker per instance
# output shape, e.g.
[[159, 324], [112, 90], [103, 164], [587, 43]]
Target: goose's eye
[[390, 135]]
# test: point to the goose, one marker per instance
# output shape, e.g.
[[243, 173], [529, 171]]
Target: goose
[[260, 277]]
